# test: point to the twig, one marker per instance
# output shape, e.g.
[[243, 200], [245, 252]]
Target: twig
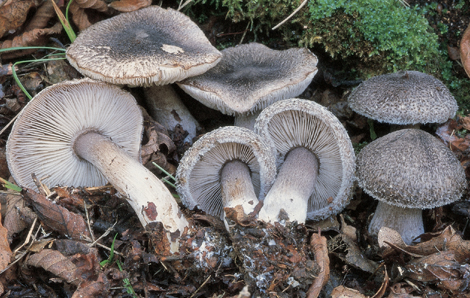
[[207, 279], [290, 16], [320, 250], [27, 237], [88, 222]]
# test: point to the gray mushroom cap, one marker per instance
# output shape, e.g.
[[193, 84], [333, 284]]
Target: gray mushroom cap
[[293, 123], [252, 76], [41, 140], [148, 46], [198, 173], [404, 97], [410, 168]]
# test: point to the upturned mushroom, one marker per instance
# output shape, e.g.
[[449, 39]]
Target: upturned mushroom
[[404, 98], [250, 77], [408, 170], [227, 167], [150, 46], [316, 160], [86, 133]]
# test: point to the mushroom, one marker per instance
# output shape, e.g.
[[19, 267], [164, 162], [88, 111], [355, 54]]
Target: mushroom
[[150, 46], [85, 133], [227, 167], [142, 48], [316, 160], [250, 77], [404, 98], [408, 170]]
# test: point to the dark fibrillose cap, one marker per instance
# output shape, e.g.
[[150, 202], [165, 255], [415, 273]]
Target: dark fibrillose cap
[[252, 76], [404, 97], [148, 46], [410, 168]]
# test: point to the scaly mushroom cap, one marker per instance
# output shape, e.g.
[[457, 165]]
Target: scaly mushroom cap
[[41, 140], [198, 173], [293, 123], [410, 168], [250, 77], [404, 97], [148, 46]]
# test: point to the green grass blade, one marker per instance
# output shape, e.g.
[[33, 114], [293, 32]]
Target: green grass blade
[[163, 170], [10, 185], [65, 23], [31, 48]]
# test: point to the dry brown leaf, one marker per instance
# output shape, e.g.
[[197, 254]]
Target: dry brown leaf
[[35, 37], [5, 251], [343, 292], [441, 268], [447, 133], [12, 16], [18, 217], [56, 217], [354, 256], [129, 5], [320, 250], [98, 5], [79, 16], [54, 262], [384, 286], [41, 17], [465, 50]]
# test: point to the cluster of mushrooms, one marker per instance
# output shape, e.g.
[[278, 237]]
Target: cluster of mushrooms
[[285, 158]]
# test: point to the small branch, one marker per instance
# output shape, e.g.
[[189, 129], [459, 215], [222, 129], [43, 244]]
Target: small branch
[[290, 16]]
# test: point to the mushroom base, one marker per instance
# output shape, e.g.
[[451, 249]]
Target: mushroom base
[[408, 222], [293, 187]]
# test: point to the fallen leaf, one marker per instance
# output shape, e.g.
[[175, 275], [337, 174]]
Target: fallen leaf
[[80, 17], [35, 37], [18, 216], [56, 263], [130, 5], [401, 290], [56, 217], [441, 268], [42, 16], [12, 16], [465, 50], [447, 133], [5, 251]]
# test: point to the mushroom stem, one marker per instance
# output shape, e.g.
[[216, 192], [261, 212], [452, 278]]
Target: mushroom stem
[[247, 120], [408, 222], [289, 192], [236, 186], [148, 196], [166, 107]]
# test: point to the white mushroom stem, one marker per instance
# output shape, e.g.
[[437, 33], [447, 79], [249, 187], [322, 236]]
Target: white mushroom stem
[[166, 107], [293, 187], [148, 196], [236, 186], [247, 120], [408, 222]]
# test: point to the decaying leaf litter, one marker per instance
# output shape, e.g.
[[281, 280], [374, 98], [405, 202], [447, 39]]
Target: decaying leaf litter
[[67, 233]]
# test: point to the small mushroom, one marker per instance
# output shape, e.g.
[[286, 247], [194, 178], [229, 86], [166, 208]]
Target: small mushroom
[[404, 98], [316, 160], [227, 167], [85, 133], [150, 46], [250, 77], [408, 170]]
